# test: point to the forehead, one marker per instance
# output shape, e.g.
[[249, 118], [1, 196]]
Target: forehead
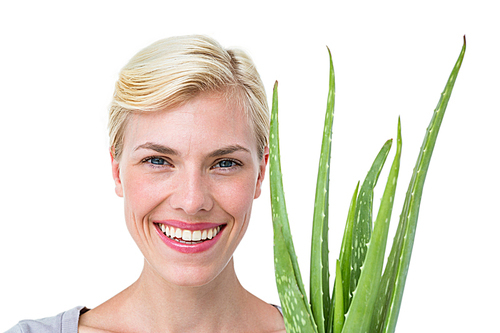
[[209, 120]]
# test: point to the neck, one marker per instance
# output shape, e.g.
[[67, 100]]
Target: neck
[[206, 308]]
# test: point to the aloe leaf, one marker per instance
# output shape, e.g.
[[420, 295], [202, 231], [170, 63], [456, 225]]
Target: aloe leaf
[[394, 278], [345, 261], [338, 317], [346, 248], [363, 219], [359, 315], [296, 309], [319, 269], [293, 301]]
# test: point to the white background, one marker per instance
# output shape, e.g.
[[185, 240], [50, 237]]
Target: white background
[[63, 241]]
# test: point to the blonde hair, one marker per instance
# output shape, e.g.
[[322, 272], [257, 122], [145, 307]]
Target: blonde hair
[[172, 71]]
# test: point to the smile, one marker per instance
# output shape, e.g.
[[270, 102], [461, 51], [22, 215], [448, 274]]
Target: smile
[[185, 236]]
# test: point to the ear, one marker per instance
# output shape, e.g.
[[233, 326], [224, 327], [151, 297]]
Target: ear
[[115, 168], [262, 173]]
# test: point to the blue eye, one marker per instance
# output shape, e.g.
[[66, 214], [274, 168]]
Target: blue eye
[[226, 164], [157, 161]]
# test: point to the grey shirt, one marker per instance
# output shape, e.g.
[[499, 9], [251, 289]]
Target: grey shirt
[[66, 322]]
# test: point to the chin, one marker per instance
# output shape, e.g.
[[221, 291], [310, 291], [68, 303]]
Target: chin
[[190, 275]]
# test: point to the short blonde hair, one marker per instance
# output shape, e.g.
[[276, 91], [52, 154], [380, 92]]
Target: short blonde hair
[[172, 71]]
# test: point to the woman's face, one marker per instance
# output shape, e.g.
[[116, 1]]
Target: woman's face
[[188, 177]]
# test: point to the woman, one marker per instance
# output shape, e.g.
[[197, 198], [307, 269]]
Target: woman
[[188, 134]]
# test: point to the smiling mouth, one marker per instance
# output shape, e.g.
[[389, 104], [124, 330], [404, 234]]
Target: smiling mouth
[[189, 237]]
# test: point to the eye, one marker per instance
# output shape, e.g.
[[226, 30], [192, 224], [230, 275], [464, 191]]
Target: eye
[[156, 162], [226, 164]]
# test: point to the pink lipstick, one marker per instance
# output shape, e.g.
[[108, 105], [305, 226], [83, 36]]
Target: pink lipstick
[[189, 237]]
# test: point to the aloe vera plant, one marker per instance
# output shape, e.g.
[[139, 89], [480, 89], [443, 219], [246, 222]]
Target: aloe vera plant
[[365, 297]]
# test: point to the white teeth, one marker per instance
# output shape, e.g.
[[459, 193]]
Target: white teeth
[[196, 235], [187, 236]]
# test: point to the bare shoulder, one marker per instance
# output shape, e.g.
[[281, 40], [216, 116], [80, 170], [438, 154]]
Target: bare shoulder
[[99, 320], [278, 324], [268, 317], [87, 329]]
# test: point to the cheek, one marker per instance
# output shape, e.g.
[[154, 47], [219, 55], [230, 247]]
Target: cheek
[[237, 199], [141, 194]]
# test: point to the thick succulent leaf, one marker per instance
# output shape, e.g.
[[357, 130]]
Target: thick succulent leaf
[[296, 309], [319, 269], [293, 302], [346, 249], [359, 315], [338, 317], [363, 219], [345, 260], [394, 278]]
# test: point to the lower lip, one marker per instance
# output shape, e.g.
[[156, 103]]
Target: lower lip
[[187, 248]]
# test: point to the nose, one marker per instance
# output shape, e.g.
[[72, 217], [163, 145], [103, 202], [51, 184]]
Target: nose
[[191, 194]]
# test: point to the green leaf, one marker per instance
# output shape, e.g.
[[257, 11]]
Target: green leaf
[[319, 269], [296, 309], [359, 315], [345, 262], [293, 302], [338, 318], [363, 219], [346, 249], [394, 278]]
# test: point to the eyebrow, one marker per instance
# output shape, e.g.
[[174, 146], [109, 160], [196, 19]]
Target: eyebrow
[[170, 151], [228, 150], [158, 148]]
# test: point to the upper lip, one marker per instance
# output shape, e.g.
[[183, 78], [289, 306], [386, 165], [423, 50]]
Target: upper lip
[[189, 226]]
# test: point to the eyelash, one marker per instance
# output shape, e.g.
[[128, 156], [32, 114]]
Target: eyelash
[[235, 164], [147, 160]]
